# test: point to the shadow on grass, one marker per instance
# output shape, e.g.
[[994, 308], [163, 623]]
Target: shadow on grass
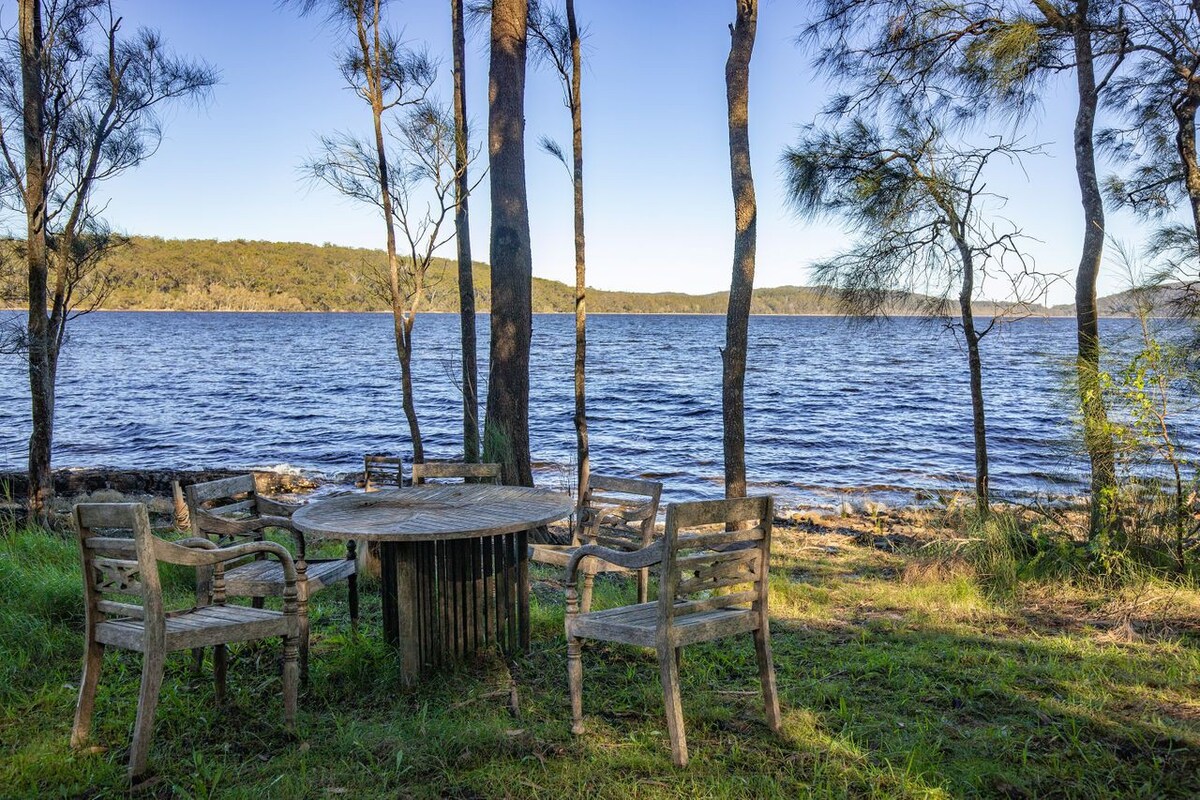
[[877, 702]]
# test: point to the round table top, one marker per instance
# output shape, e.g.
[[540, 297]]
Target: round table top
[[433, 512]]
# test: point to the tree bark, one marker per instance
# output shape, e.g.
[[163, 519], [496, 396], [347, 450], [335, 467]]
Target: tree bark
[[1184, 109], [506, 424], [581, 428], [745, 212], [462, 235], [1097, 434], [975, 365], [42, 340], [404, 351]]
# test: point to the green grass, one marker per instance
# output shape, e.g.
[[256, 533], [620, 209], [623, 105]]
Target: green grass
[[896, 681]]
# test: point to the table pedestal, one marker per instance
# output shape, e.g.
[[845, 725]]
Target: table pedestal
[[444, 600]]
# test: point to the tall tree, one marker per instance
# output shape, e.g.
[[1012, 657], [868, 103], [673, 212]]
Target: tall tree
[[1159, 95], [462, 230], [745, 218], [965, 58], [557, 40], [919, 205], [389, 77], [506, 423], [78, 105]]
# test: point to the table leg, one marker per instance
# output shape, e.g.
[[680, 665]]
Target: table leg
[[398, 572], [523, 588]]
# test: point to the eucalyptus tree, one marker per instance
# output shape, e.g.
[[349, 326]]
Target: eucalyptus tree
[[392, 79], [918, 204], [506, 422], [745, 236], [965, 59], [462, 231], [556, 40], [79, 105], [421, 198]]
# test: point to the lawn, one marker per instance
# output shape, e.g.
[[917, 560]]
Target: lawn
[[898, 678]]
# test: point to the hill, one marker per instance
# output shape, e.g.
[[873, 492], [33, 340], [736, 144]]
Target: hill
[[208, 275]]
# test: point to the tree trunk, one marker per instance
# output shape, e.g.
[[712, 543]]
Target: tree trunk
[[42, 339], [975, 364], [1184, 109], [506, 425], [462, 235], [404, 351], [369, 41], [745, 212], [1097, 434], [581, 429]]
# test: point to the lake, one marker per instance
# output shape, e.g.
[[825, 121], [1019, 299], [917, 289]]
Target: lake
[[835, 410]]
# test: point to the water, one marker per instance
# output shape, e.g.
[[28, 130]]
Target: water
[[833, 409]]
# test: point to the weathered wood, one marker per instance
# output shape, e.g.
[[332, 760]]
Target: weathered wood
[[422, 472], [375, 468], [690, 566], [471, 584], [149, 628], [231, 509], [405, 573], [616, 513]]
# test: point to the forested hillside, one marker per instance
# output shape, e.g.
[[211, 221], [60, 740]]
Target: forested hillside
[[208, 275]]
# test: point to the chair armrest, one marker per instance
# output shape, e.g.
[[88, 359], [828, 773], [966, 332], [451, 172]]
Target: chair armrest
[[223, 526], [190, 553], [634, 559], [269, 507]]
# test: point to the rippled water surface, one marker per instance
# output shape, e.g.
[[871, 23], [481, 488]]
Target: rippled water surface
[[832, 407]]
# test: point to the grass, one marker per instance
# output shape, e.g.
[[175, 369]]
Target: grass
[[899, 677]]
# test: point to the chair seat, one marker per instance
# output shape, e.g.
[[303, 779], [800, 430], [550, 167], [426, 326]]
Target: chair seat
[[265, 578], [638, 625], [200, 627]]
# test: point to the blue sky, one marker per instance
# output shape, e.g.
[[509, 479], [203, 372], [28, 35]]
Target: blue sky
[[658, 200]]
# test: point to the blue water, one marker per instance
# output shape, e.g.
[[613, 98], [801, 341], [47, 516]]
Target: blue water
[[834, 409]]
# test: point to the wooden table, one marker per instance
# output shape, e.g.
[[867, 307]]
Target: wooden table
[[453, 559]]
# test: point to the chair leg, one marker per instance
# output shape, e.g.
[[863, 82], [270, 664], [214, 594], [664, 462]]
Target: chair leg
[[93, 657], [585, 594], [352, 588], [643, 585], [204, 580], [302, 617], [575, 681], [766, 673], [678, 659], [143, 727], [291, 679], [220, 670], [674, 706]]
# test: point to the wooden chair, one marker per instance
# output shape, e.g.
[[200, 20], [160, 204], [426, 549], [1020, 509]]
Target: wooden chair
[[375, 469], [617, 513], [127, 569], [441, 470], [702, 595], [231, 510]]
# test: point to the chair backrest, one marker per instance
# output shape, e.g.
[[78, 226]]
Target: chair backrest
[[120, 571], [442, 470], [698, 560], [375, 470], [628, 507], [227, 497]]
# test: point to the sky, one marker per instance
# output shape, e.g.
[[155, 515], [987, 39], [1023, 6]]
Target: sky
[[657, 187]]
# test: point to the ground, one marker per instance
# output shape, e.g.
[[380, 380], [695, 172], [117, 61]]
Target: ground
[[900, 676]]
